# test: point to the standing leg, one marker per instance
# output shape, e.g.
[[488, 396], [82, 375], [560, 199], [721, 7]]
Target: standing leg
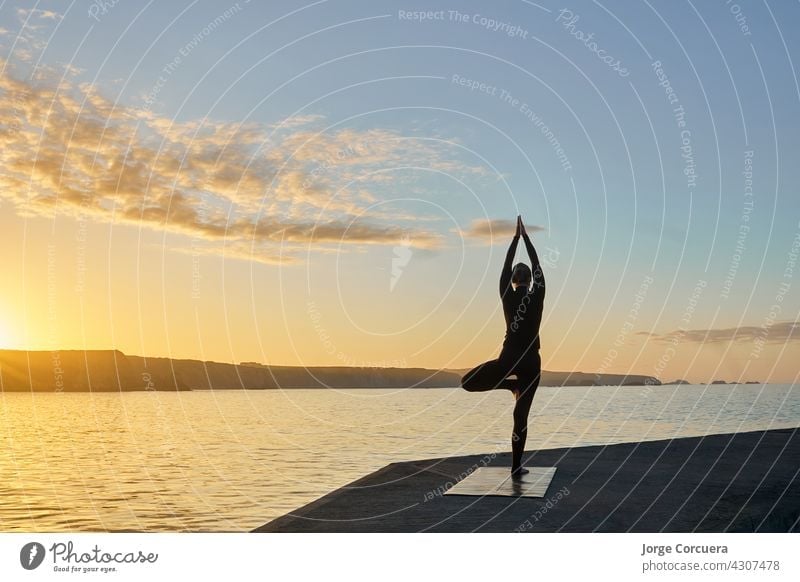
[[487, 376], [529, 382]]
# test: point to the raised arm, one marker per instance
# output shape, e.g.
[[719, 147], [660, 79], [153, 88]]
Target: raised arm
[[505, 275], [536, 267]]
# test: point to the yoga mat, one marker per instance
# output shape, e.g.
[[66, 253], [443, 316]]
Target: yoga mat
[[498, 481]]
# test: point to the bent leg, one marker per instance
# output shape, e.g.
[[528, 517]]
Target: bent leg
[[487, 376]]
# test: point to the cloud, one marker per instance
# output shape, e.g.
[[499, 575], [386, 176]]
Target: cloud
[[778, 333], [66, 149], [491, 231], [33, 23], [25, 14], [27, 43]]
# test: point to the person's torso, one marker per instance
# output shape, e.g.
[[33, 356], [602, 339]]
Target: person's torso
[[523, 315]]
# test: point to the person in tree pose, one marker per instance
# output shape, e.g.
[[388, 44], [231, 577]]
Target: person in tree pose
[[522, 294]]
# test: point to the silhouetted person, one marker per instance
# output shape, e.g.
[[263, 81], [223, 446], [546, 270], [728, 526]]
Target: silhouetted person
[[522, 307]]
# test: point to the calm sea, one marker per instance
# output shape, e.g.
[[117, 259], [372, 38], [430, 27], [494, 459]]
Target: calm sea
[[233, 460]]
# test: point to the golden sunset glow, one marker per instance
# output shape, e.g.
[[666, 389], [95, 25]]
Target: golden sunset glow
[[282, 223], [369, 266]]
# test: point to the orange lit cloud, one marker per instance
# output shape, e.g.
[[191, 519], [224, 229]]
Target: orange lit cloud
[[491, 231], [265, 192], [780, 333]]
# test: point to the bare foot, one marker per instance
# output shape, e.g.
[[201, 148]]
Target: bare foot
[[519, 472]]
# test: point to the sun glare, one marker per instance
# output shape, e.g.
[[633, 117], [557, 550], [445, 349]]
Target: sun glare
[[6, 335]]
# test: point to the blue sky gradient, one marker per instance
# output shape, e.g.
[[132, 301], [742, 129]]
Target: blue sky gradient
[[442, 122]]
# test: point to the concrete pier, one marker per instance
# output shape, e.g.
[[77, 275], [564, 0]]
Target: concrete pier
[[740, 482]]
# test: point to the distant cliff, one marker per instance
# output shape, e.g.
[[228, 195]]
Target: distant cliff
[[113, 371], [585, 379]]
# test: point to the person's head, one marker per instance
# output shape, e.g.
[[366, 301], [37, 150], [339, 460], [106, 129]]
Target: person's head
[[521, 275]]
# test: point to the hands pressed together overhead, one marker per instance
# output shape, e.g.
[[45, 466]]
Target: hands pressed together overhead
[[520, 227]]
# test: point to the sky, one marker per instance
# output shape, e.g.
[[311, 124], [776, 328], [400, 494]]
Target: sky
[[336, 182]]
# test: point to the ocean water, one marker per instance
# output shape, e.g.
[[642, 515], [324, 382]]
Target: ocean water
[[233, 460]]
